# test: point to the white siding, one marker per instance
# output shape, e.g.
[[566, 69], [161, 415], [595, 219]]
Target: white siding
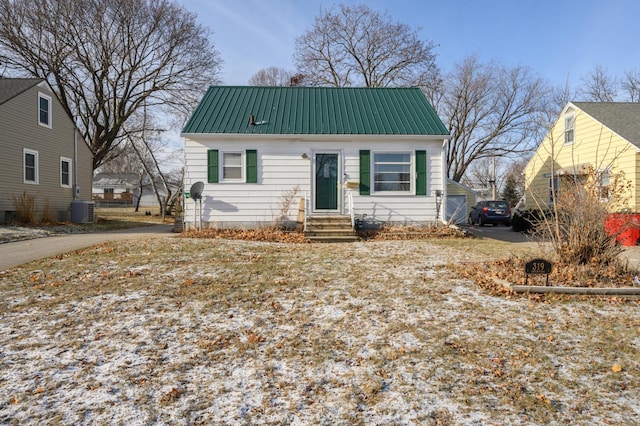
[[281, 167]]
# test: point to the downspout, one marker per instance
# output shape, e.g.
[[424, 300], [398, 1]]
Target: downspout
[[75, 163], [445, 179]]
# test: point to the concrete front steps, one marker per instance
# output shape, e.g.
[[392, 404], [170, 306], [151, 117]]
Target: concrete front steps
[[330, 229]]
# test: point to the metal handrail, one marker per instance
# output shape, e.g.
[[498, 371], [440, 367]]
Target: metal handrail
[[351, 209], [306, 209]]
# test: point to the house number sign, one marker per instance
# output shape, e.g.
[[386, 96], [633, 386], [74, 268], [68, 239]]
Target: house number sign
[[537, 267]]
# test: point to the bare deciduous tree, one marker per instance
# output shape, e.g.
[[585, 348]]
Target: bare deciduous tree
[[559, 97], [357, 46], [480, 174], [599, 86], [145, 141], [272, 76], [105, 59], [631, 85], [491, 111]]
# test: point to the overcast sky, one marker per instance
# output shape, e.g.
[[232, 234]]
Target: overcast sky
[[559, 39]]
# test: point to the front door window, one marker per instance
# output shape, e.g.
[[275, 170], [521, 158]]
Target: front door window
[[326, 181]]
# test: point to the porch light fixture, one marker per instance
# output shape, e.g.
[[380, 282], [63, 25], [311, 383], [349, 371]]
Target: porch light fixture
[[304, 156]]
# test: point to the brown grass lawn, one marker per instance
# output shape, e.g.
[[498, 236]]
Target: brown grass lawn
[[216, 331]]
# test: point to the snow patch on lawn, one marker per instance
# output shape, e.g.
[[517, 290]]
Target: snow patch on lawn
[[393, 349]]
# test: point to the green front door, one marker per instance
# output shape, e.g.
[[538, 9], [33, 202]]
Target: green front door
[[326, 181]]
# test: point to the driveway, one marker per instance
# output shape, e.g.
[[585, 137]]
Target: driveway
[[503, 233], [16, 253], [500, 232]]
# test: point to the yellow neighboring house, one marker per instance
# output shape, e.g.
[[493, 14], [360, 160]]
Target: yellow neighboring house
[[599, 136]]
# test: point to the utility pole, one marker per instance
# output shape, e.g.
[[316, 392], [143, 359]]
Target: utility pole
[[493, 177]]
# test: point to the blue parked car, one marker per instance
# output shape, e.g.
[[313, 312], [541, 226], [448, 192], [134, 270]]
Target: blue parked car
[[490, 212]]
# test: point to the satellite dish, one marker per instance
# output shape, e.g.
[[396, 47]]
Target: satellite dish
[[196, 190]]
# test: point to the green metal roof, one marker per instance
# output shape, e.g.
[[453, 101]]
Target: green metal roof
[[315, 111]]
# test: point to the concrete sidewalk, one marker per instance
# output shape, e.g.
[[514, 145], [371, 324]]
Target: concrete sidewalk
[[16, 253]]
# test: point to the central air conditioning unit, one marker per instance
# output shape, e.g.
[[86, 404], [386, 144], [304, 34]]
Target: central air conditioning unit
[[82, 212]]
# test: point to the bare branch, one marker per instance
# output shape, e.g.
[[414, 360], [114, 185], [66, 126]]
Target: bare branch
[[631, 85], [106, 59], [491, 110], [357, 46], [272, 76], [599, 86]]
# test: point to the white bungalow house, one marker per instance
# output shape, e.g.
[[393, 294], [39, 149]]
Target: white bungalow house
[[373, 153]]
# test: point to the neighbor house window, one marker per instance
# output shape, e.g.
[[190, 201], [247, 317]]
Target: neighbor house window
[[392, 172], [30, 166], [554, 184], [569, 131], [65, 172], [604, 185], [44, 110]]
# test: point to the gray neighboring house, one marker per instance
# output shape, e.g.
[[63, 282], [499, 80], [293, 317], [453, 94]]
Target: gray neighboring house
[[43, 153], [115, 189], [123, 189]]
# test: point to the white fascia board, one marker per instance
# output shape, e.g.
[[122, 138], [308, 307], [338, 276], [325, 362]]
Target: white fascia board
[[315, 138]]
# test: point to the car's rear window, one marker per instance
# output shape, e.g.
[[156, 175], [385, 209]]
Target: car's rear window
[[497, 204]]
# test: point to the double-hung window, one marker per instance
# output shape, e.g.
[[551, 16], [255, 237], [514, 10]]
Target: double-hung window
[[232, 166], [553, 187], [569, 129], [30, 163], [604, 185], [232, 169], [65, 172], [399, 173], [392, 172], [44, 110]]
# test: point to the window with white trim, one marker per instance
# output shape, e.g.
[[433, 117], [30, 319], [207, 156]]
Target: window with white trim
[[604, 185], [65, 172], [44, 110], [232, 166], [30, 166], [569, 129], [392, 172], [552, 187]]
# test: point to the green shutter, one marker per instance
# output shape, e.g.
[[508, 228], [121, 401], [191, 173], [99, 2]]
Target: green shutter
[[421, 172], [365, 172], [252, 166], [212, 166]]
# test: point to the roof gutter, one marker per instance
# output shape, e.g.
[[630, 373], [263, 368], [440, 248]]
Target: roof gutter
[[312, 137]]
